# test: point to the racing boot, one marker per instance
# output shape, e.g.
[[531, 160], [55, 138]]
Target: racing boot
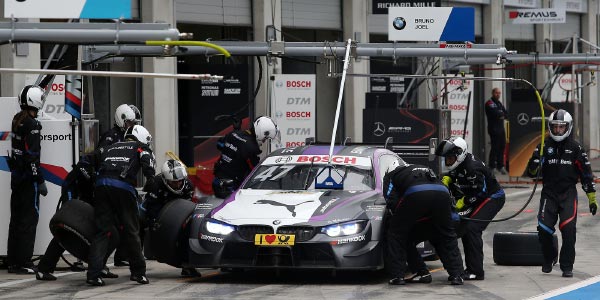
[[468, 275], [422, 276], [141, 279], [456, 280], [95, 281], [106, 273], [39, 275], [190, 272], [397, 281]]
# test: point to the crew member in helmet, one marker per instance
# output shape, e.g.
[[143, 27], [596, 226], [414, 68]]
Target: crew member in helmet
[[115, 201], [481, 197], [239, 155], [413, 193], [27, 182], [125, 117], [171, 183], [562, 163]]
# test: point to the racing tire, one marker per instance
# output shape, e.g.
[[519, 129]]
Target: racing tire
[[74, 228], [167, 233], [519, 249]]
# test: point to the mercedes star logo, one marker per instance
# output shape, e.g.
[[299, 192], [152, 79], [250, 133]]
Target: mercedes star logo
[[523, 119], [379, 129]]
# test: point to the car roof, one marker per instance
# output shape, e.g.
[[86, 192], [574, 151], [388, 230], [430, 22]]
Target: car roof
[[353, 150]]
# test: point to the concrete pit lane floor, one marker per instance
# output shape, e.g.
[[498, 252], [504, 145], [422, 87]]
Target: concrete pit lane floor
[[501, 282]]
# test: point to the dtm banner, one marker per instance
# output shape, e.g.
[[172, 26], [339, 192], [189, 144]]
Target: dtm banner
[[431, 24], [68, 9], [56, 161], [458, 95], [293, 108]]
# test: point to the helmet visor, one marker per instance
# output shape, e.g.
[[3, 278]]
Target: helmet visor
[[559, 128], [175, 184]]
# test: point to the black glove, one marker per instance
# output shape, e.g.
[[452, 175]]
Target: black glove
[[150, 184], [43, 189]]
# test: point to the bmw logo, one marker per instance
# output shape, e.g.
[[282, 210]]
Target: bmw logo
[[276, 222], [550, 150], [399, 23], [278, 84]]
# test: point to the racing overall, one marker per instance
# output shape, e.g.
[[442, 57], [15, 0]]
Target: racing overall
[[116, 204], [239, 155], [496, 114], [483, 199], [413, 193], [79, 184], [26, 176], [563, 163]]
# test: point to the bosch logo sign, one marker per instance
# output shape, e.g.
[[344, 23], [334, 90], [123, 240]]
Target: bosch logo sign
[[399, 23], [298, 83], [297, 114]]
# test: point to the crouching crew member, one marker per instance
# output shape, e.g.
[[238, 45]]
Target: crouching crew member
[[413, 192], [116, 202], [482, 198], [172, 183]]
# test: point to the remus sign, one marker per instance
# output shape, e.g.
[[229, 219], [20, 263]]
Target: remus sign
[[431, 24], [537, 16]]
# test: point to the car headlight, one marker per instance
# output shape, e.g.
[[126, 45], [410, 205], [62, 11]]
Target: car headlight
[[217, 227], [343, 229]]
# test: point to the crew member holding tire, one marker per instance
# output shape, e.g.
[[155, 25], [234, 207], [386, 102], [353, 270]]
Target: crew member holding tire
[[481, 198], [27, 182], [564, 161], [116, 202], [239, 155], [79, 184], [413, 192], [172, 183]]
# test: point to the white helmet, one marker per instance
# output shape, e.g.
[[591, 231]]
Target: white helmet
[[123, 114], [138, 114], [265, 128], [139, 133], [395, 164], [31, 96], [560, 124], [453, 146], [174, 175]]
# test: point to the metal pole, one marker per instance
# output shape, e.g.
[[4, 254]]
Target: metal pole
[[467, 118], [339, 102], [113, 74]]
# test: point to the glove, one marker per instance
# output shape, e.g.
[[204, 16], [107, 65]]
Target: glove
[[593, 203], [43, 190], [460, 203], [447, 180], [150, 184]]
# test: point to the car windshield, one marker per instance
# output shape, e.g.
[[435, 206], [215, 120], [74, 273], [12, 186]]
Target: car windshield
[[302, 177]]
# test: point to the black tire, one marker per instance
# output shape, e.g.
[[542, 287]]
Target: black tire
[[518, 249], [166, 236], [73, 226]]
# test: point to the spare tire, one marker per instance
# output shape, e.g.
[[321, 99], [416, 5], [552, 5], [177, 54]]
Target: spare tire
[[73, 226], [166, 238], [519, 249]]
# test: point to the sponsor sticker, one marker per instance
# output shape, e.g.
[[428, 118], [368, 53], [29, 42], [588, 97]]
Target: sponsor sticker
[[318, 159], [358, 238], [274, 239]]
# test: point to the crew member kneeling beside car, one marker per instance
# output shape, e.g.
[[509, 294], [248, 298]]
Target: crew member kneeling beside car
[[413, 192], [172, 183]]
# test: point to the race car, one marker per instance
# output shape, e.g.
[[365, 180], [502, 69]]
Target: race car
[[299, 209]]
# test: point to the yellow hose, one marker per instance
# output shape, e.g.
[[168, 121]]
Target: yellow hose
[[190, 43], [539, 98]]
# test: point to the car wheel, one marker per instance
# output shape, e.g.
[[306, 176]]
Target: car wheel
[[519, 249], [73, 226], [167, 242]]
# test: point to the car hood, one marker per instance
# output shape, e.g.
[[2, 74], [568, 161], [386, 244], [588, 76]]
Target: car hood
[[270, 207]]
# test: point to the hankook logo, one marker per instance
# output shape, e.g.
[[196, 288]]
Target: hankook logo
[[523, 119], [379, 129]]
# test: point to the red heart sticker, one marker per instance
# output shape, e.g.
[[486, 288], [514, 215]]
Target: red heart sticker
[[270, 238]]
